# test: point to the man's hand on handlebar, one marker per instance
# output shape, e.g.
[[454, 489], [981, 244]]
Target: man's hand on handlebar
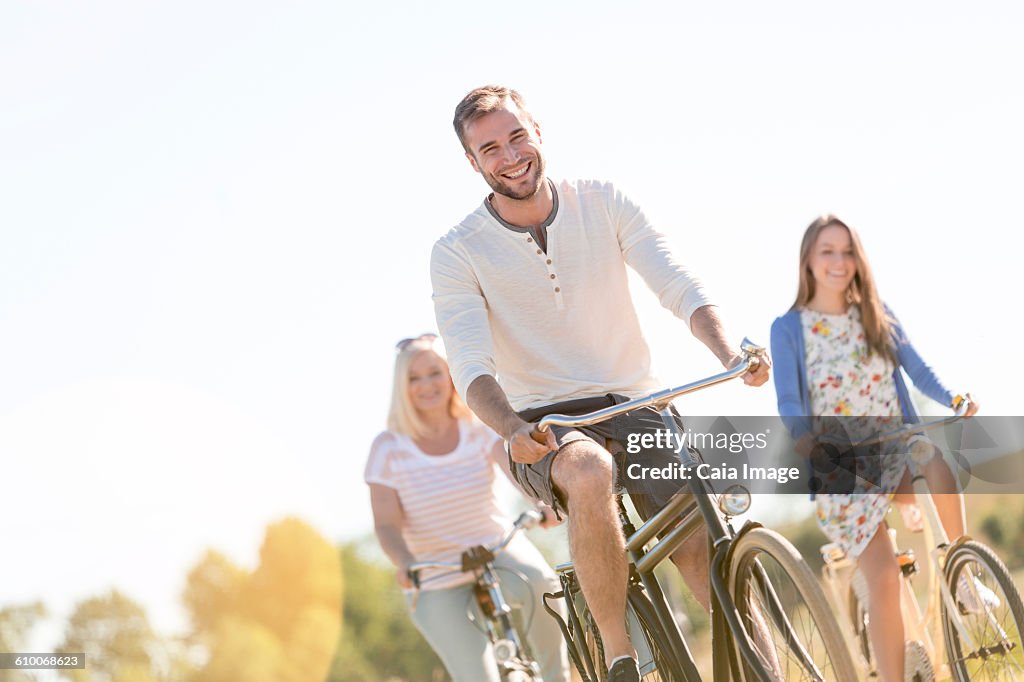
[[760, 374], [525, 447]]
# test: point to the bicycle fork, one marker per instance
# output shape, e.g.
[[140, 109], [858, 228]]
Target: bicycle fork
[[508, 646]]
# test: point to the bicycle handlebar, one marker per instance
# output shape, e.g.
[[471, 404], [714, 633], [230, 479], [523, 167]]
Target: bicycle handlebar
[[960, 413], [752, 354], [528, 519]]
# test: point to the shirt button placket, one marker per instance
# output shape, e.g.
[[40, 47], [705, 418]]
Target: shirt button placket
[[558, 290]]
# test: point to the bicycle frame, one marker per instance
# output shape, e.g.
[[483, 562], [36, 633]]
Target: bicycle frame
[[696, 510], [480, 562]]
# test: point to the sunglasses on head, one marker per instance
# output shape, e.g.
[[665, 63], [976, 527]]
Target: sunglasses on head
[[404, 343]]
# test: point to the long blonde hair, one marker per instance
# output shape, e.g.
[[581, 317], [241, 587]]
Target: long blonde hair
[[402, 416], [878, 327]]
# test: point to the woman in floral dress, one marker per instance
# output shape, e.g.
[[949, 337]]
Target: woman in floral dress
[[838, 355]]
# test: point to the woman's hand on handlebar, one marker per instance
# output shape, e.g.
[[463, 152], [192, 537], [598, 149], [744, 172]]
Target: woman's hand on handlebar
[[525, 447], [972, 405], [403, 577], [806, 446]]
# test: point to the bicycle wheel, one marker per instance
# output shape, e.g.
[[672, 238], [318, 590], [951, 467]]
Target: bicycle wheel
[[658, 663], [785, 613], [514, 663], [990, 646], [654, 647]]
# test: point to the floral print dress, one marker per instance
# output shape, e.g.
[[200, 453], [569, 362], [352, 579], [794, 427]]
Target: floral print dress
[[846, 382]]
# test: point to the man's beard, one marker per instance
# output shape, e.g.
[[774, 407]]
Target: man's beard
[[497, 182]]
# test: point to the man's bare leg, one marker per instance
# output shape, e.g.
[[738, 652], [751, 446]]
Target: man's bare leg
[[583, 471], [691, 558]]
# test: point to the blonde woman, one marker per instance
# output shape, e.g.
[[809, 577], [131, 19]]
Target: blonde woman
[[431, 478], [838, 355]]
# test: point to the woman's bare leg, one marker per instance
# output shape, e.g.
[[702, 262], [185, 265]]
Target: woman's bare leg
[[885, 625]]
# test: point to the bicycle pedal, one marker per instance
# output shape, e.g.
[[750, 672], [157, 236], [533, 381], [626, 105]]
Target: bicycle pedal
[[907, 562]]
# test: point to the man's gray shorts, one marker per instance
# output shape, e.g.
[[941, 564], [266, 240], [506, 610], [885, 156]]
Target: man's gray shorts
[[648, 495]]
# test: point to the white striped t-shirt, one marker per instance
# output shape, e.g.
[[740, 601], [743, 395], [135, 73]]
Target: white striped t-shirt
[[449, 501]]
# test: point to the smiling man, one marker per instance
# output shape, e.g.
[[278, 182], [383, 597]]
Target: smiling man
[[532, 300]]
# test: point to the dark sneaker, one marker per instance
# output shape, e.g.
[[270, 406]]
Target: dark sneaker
[[624, 670]]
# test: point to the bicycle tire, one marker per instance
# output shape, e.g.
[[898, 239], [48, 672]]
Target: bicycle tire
[[663, 658], [660, 665], [994, 658], [773, 586]]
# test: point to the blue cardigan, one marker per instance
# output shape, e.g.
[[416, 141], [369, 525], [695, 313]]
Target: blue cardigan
[[789, 365]]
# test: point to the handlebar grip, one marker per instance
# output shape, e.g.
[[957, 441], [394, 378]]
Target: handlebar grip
[[961, 403]]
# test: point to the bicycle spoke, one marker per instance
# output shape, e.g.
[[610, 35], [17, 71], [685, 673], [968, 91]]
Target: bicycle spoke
[[992, 617], [795, 650], [785, 614]]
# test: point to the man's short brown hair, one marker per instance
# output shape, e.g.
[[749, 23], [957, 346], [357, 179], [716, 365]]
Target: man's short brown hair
[[481, 101]]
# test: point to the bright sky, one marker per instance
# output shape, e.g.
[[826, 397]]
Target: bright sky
[[215, 222]]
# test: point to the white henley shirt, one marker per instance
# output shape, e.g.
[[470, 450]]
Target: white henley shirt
[[557, 325]]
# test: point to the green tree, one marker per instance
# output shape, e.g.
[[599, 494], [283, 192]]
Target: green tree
[[115, 635], [16, 623], [992, 526], [213, 588], [242, 649], [380, 641], [279, 623]]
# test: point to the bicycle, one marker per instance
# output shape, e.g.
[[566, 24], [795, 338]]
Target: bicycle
[[510, 651], [761, 587], [980, 643]]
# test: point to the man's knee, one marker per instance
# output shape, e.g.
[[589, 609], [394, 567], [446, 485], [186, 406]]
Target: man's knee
[[583, 468]]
